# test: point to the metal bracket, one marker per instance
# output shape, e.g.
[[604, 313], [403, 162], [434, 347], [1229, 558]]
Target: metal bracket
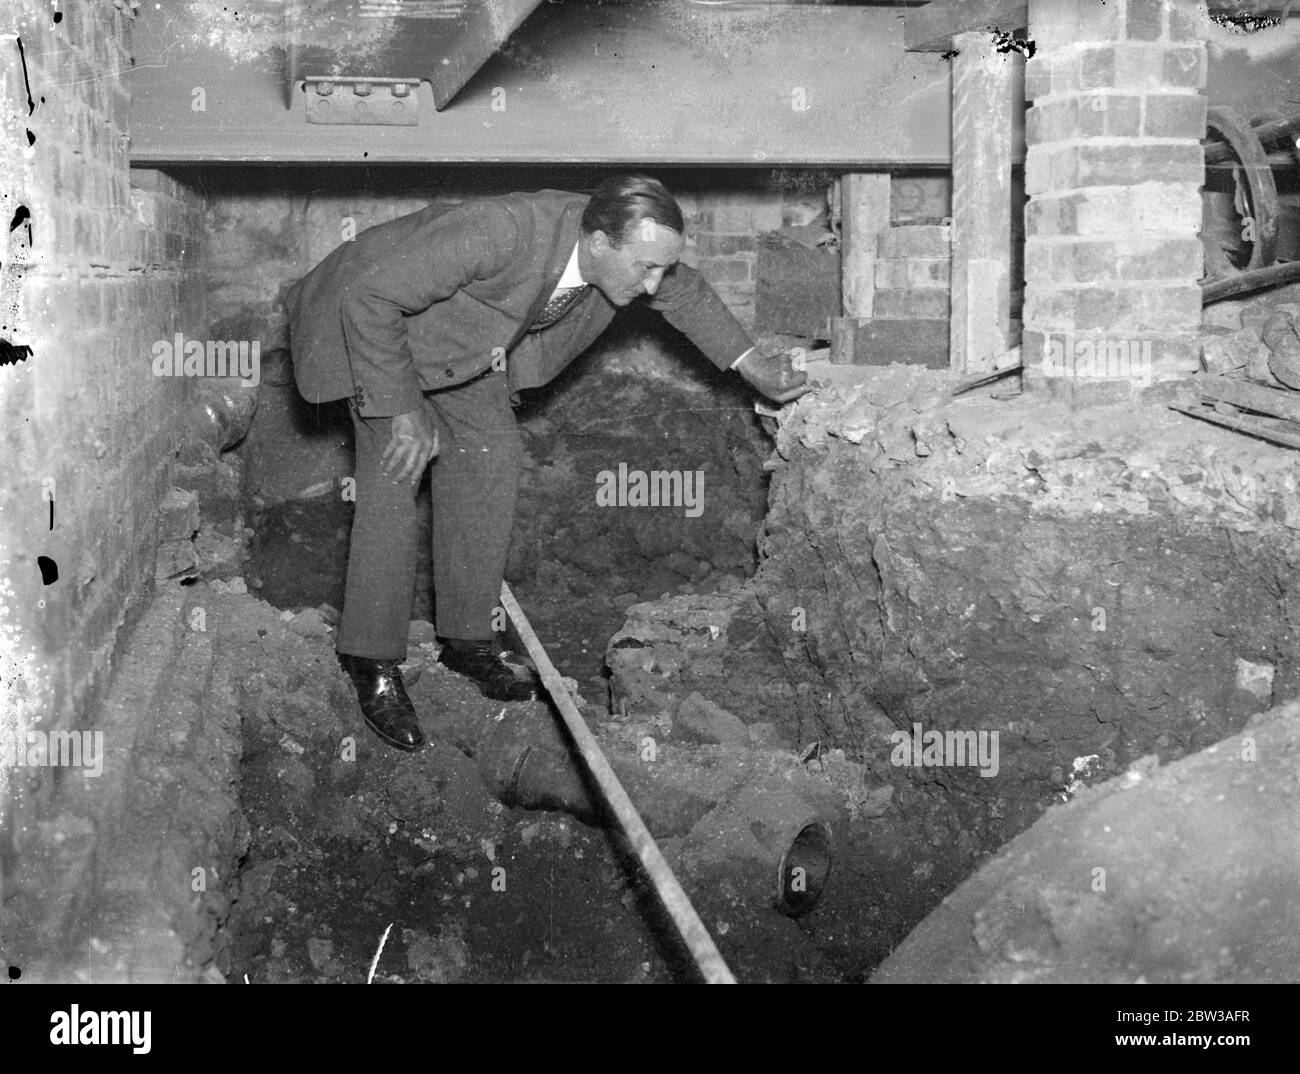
[[388, 102]]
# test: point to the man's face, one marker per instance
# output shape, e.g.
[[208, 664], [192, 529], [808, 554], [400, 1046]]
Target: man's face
[[636, 268]]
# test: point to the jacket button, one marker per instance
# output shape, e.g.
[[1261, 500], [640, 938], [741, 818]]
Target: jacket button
[[451, 373]]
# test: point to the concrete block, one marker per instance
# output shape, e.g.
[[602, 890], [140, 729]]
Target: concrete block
[[1187, 21], [1138, 258], [1096, 67], [1051, 215], [878, 341], [178, 517], [915, 240], [1174, 115], [1153, 207], [1185, 66], [707, 245], [913, 272], [928, 304], [726, 270], [797, 290], [1038, 77], [1145, 20], [732, 220], [1128, 165], [1110, 115], [1055, 24], [1175, 308], [1052, 121]]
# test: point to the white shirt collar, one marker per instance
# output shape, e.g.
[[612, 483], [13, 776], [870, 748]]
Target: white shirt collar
[[571, 277]]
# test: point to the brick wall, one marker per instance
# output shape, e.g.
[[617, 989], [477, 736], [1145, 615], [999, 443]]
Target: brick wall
[[1113, 171], [727, 212], [724, 222], [109, 272], [268, 227], [913, 270]]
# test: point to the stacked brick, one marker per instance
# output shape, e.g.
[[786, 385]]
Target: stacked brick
[[913, 268], [725, 228], [1113, 171]]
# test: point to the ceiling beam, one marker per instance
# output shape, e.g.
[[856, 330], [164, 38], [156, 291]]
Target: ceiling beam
[[486, 28], [655, 81], [932, 28], [443, 43]]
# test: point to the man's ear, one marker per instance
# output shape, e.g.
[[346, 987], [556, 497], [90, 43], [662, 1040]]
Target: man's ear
[[598, 242]]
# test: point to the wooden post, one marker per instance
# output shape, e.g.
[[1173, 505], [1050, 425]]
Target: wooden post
[[983, 80], [864, 214]]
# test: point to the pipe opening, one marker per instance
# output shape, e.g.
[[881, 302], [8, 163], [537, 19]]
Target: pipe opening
[[805, 867]]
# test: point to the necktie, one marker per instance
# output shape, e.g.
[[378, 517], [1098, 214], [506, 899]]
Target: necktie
[[564, 299]]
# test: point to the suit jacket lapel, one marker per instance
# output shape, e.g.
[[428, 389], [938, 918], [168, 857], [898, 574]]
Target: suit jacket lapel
[[566, 236]]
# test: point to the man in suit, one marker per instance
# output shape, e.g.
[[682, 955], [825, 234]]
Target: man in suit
[[429, 325]]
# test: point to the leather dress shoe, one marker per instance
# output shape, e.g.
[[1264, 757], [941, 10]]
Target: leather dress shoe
[[481, 661], [387, 709]]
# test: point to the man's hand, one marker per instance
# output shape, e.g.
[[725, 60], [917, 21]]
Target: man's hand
[[771, 370], [414, 442]]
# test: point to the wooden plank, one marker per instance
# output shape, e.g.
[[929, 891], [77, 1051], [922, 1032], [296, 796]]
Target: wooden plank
[[987, 87], [879, 341], [1279, 432], [657, 81], [1247, 396], [934, 27], [864, 214]]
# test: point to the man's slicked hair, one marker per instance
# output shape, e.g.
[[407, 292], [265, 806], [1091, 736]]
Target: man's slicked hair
[[621, 202]]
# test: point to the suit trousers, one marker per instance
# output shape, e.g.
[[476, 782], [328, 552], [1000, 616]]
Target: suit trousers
[[474, 480]]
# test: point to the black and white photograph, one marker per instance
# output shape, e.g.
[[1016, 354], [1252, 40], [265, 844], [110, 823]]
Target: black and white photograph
[[650, 492]]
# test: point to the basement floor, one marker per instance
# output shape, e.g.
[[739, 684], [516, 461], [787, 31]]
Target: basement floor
[[339, 851], [318, 839], [474, 891]]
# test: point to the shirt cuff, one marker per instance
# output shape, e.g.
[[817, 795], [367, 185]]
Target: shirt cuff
[[742, 358]]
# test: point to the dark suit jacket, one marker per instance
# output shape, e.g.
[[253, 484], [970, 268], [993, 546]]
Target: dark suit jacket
[[427, 301]]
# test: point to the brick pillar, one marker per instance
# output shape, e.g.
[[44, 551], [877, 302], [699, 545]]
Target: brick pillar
[[1113, 172]]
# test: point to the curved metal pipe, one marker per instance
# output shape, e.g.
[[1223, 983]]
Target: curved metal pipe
[[780, 837], [776, 834]]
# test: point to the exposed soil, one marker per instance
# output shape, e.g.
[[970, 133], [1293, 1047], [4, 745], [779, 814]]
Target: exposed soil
[[1093, 588], [341, 849]]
